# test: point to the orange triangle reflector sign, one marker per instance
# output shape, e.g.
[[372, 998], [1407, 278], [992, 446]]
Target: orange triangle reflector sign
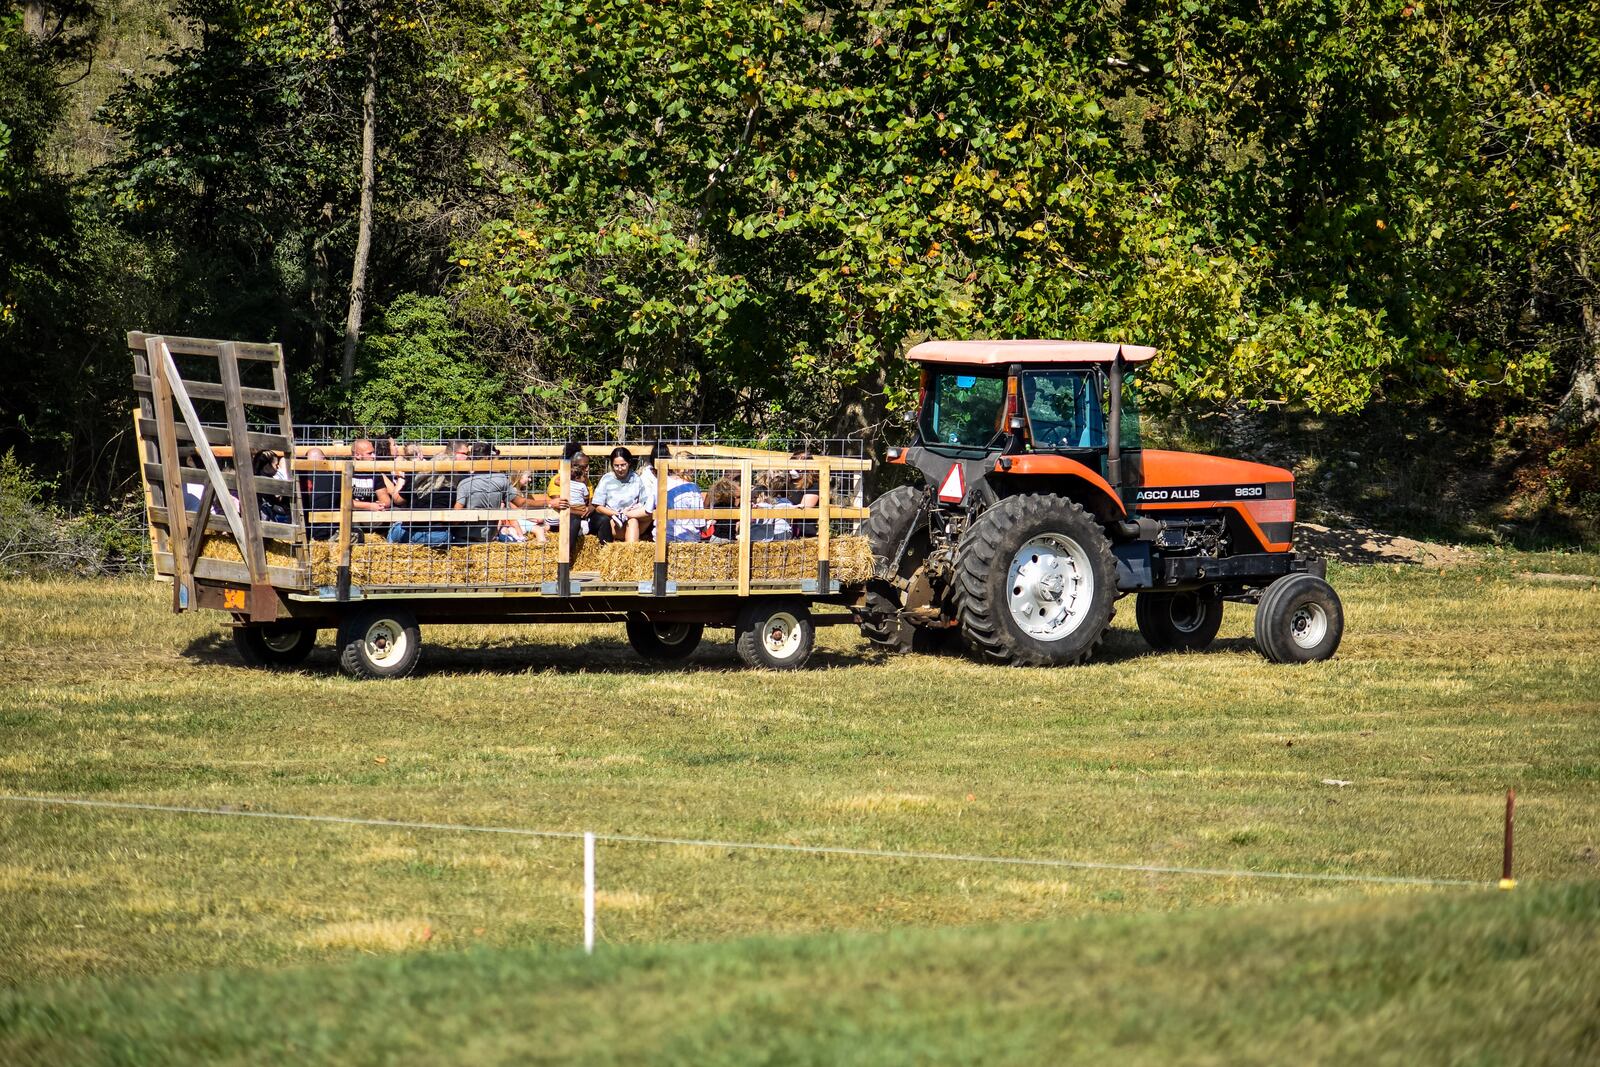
[[953, 488]]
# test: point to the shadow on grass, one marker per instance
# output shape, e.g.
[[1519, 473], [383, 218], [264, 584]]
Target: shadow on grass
[[602, 655], [605, 654]]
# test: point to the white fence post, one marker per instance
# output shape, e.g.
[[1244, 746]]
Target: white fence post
[[588, 893]]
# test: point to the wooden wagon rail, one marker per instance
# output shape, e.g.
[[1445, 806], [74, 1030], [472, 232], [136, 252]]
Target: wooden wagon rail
[[206, 410]]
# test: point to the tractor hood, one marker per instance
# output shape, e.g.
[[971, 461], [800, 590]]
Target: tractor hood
[[1217, 478], [1262, 496]]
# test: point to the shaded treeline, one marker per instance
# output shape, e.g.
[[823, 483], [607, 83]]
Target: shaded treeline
[[741, 212]]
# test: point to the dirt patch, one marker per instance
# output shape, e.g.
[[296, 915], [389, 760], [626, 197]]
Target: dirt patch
[[1355, 543]]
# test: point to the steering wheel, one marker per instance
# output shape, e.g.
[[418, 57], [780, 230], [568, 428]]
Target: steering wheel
[[1053, 434]]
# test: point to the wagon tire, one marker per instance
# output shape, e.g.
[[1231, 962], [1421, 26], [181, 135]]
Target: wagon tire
[[274, 644], [663, 642], [383, 643], [1300, 619], [1035, 582], [1174, 622], [775, 635]]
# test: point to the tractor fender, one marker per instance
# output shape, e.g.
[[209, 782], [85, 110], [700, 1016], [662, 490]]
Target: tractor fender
[[1065, 477]]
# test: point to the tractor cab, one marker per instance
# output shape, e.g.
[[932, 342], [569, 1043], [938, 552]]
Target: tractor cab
[[980, 400], [1041, 507]]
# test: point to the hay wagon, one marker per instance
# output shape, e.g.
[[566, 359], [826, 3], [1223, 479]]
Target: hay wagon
[[320, 556]]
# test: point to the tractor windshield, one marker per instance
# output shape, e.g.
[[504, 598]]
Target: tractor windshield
[[964, 410], [1063, 409]]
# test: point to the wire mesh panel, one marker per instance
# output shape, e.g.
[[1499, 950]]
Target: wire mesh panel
[[510, 512]]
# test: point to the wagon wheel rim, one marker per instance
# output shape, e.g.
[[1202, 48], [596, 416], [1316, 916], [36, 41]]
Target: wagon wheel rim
[[672, 633], [385, 642], [780, 635], [281, 640], [1049, 587], [1308, 626]]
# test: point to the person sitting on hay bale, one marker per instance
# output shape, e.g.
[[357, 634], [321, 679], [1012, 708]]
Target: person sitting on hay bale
[[620, 513], [769, 529], [431, 492], [520, 529], [574, 499], [364, 484], [486, 491], [319, 491], [651, 486], [724, 493], [803, 492], [684, 494]]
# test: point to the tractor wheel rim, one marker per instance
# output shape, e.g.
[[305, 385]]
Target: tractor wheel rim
[[1188, 613], [1049, 586], [282, 640], [672, 633], [385, 642], [1308, 625], [780, 635]]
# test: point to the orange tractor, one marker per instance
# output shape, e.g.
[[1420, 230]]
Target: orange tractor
[[1041, 509]]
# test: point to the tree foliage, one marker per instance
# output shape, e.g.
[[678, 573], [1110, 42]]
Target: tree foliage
[[417, 368], [1316, 203], [245, 155], [743, 212]]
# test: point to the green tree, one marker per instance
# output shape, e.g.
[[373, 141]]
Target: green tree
[[418, 368], [736, 206], [257, 153]]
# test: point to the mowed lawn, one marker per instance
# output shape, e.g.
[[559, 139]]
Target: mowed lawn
[[1450, 687]]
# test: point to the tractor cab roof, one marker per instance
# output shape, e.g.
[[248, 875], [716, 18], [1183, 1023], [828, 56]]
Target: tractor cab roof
[[991, 353]]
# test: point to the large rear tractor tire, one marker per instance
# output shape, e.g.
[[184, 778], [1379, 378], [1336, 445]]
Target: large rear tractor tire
[[1173, 622], [891, 516], [1035, 582], [380, 643], [1299, 620], [274, 644], [663, 642], [776, 635]]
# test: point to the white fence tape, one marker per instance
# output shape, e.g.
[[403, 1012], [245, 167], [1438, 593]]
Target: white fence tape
[[759, 846]]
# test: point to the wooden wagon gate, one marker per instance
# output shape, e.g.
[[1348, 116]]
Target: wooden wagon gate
[[169, 419]]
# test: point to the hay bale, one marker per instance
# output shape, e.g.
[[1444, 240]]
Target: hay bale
[[530, 563], [380, 563], [219, 546], [484, 563], [691, 561], [386, 564], [626, 561], [510, 563], [851, 558]]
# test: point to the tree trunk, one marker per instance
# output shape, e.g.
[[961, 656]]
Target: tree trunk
[[1580, 408], [629, 363], [358, 271], [33, 19], [865, 415]]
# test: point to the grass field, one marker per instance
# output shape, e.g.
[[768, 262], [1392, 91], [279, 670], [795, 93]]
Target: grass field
[[1450, 687]]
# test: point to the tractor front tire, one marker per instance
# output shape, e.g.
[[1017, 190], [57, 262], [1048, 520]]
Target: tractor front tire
[[1173, 622], [1035, 582], [1299, 620], [274, 644]]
